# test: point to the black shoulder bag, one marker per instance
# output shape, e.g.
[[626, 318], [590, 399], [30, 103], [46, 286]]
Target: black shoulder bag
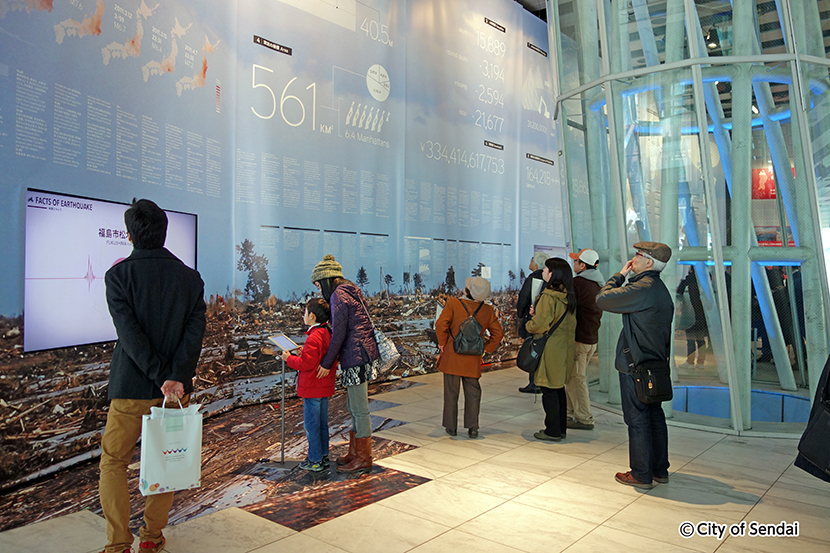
[[531, 351], [652, 378]]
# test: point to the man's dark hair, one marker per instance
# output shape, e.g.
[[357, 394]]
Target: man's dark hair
[[147, 224], [320, 308]]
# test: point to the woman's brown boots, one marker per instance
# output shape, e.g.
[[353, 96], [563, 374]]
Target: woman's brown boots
[[362, 459], [347, 458]]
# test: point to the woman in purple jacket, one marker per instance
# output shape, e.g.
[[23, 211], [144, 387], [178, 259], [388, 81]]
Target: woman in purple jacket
[[353, 343]]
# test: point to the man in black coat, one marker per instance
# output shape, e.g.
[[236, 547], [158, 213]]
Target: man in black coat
[[523, 305], [158, 308], [647, 311]]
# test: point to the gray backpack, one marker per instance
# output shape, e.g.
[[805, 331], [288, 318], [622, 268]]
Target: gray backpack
[[469, 341]]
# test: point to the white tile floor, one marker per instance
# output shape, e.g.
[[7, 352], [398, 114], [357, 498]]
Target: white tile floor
[[506, 492]]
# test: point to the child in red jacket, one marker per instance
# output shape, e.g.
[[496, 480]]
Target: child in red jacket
[[314, 390]]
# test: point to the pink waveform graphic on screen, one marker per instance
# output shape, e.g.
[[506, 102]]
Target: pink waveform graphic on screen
[[90, 274], [89, 277]]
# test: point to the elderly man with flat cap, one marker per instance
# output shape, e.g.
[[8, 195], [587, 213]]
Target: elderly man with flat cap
[[647, 310]]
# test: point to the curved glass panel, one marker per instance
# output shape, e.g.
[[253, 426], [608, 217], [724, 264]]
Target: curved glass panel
[[702, 380], [745, 199], [812, 21], [659, 148], [715, 22]]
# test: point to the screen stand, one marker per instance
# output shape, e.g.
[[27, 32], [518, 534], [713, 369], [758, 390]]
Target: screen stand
[[282, 464]]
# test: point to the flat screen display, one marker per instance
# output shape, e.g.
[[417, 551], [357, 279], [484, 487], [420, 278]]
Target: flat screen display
[[71, 242], [283, 342]]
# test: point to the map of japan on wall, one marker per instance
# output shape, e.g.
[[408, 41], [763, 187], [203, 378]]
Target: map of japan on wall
[[113, 100]]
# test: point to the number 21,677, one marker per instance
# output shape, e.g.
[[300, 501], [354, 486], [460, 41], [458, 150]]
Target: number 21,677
[[489, 122], [292, 117]]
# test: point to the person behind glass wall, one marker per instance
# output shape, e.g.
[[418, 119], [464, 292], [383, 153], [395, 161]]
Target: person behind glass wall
[[759, 328], [781, 303], [798, 288], [523, 305], [647, 312], [353, 342], [781, 299], [697, 333], [465, 369], [557, 301]]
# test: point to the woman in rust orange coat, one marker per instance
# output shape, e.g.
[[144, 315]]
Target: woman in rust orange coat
[[465, 369]]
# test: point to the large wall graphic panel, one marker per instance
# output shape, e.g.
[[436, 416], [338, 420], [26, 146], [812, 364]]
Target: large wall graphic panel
[[481, 176], [113, 100], [541, 214], [406, 137], [320, 133], [403, 137], [462, 142]]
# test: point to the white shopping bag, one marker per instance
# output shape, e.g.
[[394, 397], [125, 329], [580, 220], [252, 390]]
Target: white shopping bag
[[171, 450]]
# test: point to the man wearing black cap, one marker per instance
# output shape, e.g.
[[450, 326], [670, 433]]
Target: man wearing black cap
[[647, 309]]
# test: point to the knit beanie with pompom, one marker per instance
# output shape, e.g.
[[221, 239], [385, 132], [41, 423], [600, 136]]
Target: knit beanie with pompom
[[327, 268]]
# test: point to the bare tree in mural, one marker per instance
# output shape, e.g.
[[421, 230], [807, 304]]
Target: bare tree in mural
[[406, 281], [390, 281], [449, 281], [522, 276], [258, 288], [418, 282], [362, 278], [511, 276], [477, 271]]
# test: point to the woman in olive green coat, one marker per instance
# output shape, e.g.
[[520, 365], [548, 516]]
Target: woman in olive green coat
[[557, 362]]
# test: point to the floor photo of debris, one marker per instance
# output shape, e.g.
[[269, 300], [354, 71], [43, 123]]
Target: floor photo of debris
[[53, 410], [429, 492], [241, 467]]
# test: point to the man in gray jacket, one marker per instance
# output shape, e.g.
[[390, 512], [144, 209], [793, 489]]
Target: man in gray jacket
[[587, 283], [647, 310]]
